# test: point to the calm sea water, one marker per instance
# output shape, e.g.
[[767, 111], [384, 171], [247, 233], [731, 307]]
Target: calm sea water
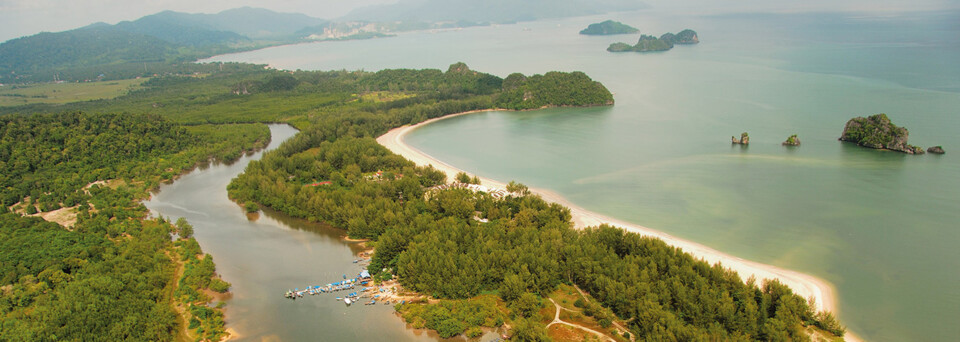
[[880, 226]]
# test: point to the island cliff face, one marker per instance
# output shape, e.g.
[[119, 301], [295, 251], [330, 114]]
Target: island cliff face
[[650, 43], [877, 131]]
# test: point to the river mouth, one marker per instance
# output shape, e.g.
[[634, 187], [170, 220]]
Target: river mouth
[[265, 257]]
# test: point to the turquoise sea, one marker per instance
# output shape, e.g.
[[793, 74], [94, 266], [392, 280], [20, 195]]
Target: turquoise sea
[[883, 227]]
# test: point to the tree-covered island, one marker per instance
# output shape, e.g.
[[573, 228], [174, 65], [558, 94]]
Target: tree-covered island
[[648, 43], [877, 131], [608, 27]]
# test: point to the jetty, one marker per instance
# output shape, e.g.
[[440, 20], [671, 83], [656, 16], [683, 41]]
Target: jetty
[[362, 279]]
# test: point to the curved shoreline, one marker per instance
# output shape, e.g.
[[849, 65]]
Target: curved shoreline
[[802, 284]]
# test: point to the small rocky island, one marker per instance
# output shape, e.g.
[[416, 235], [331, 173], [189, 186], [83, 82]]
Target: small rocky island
[[607, 28], [876, 131], [744, 139], [649, 43], [792, 141], [936, 150]]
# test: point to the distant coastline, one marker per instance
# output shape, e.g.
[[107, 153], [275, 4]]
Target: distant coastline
[[802, 284]]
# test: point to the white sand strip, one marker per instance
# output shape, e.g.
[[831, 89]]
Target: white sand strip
[[802, 284]]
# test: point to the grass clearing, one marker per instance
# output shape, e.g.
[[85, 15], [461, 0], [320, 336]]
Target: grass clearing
[[59, 93]]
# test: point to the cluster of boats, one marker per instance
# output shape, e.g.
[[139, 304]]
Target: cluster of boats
[[347, 284], [329, 288], [362, 279], [351, 298]]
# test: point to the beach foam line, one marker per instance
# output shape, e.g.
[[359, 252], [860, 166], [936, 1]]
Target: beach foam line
[[802, 284]]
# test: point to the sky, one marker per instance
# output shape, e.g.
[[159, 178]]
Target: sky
[[27, 17]]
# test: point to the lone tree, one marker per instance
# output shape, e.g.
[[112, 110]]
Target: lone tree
[[463, 177], [184, 229], [518, 188]]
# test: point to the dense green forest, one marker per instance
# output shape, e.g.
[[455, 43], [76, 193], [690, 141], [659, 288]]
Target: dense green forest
[[552, 89], [430, 240], [80, 281], [50, 158], [434, 242], [608, 27], [112, 274]]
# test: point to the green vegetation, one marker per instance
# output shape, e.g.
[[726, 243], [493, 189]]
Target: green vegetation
[[431, 242], [59, 93], [454, 317], [114, 274], [51, 158], [552, 89], [792, 140], [114, 258], [650, 43], [877, 131], [155, 44], [609, 27], [687, 36], [463, 177], [79, 285], [645, 44]]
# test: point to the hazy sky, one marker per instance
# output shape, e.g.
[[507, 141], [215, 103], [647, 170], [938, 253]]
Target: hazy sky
[[27, 17]]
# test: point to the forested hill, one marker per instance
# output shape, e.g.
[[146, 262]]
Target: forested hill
[[92, 45], [244, 22], [147, 45], [609, 27]]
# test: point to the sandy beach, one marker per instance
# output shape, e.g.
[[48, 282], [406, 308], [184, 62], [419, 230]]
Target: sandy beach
[[802, 284]]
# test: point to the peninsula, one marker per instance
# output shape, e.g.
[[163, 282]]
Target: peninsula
[[608, 27], [459, 244], [453, 244]]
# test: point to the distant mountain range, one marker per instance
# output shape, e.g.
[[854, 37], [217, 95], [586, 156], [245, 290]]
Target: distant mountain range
[[126, 48], [163, 37], [238, 23]]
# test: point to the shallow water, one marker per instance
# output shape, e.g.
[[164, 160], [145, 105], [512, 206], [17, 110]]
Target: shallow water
[[880, 226]]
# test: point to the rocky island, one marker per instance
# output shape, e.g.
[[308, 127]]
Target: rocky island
[[877, 131], [649, 43], [607, 28], [744, 139], [936, 150], [792, 141]]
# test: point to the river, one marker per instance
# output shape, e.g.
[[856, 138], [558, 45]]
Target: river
[[880, 226], [265, 257]]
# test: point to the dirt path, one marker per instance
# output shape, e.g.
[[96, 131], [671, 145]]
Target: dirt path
[[587, 299], [556, 320], [184, 333]]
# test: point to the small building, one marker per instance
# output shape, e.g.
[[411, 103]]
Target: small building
[[364, 274]]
